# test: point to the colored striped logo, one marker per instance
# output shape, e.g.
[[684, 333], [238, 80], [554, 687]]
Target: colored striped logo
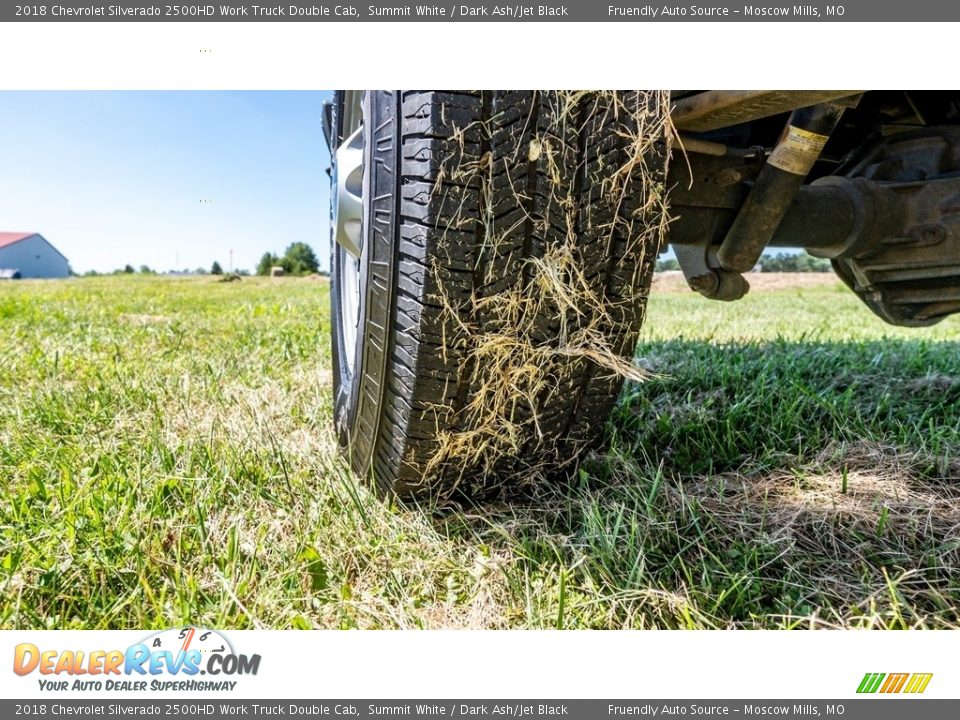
[[894, 683]]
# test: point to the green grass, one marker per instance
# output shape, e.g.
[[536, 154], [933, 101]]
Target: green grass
[[167, 457]]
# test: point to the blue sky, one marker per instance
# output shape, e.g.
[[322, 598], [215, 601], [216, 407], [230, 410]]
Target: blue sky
[[166, 179]]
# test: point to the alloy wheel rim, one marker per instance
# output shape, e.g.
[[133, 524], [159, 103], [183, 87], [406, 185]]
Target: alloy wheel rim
[[348, 225]]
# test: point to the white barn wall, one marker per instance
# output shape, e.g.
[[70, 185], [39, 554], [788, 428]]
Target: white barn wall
[[34, 257]]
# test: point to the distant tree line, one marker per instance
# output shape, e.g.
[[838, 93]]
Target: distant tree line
[[794, 262], [297, 259], [215, 269], [802, 262], [667, 265]]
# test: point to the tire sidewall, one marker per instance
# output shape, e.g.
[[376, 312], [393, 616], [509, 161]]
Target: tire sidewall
[[358, 394]]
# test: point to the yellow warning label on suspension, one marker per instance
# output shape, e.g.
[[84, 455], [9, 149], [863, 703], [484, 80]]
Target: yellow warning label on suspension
[[797, 151]]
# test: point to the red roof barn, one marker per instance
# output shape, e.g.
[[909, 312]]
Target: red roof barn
[[32, 256]]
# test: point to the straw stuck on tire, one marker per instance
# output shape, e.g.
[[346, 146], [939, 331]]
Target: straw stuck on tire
[[508, 242]]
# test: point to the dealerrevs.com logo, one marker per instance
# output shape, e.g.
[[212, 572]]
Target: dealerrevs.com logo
[[169, 660]]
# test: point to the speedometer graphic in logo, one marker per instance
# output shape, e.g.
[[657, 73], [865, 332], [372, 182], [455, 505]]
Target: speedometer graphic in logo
[[181, 640]]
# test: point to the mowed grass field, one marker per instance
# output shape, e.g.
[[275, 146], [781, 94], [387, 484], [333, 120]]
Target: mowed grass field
[[167, 457]]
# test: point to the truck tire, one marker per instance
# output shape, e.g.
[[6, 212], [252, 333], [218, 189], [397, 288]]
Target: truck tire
[[442, 204]]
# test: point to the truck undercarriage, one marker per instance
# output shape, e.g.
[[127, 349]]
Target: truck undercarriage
[[869, 180]]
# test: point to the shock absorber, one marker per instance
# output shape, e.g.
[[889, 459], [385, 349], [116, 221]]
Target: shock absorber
[[778, 183]]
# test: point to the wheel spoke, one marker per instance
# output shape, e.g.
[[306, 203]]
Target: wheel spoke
[[349, 169]]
